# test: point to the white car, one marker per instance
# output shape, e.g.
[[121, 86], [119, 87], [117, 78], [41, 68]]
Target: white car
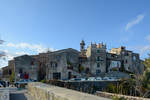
[[91, 79], [112, 79], [98, 79], [105, 78], [75, 79], [83, 79]]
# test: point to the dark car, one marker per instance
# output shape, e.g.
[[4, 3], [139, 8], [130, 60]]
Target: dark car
[[23, 82], [3, 83]]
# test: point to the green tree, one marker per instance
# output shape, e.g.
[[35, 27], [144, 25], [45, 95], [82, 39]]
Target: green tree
[[147, 62], [12, 77], [111, 88]]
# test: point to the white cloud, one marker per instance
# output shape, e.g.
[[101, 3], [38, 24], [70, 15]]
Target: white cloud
[[20, 49], [144, 48], [34, 47], [9, 56], [134, 22], [22, 53]]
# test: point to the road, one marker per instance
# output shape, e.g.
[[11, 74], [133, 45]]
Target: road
[[16, 94]]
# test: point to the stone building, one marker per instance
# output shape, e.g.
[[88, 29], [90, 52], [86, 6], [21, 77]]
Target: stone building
[[62, 64], [24, 66], [98, 60], [7, 70], [113, 62], [91, 61], [6, 73], [131, 61], [94, 60]]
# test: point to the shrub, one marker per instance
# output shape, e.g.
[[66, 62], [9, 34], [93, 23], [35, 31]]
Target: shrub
[[122, 98], [115, 98], [43, 81]]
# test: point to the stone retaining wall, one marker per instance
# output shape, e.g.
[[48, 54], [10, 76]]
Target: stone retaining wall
[[42, 91], [110, 95], [83, 86]]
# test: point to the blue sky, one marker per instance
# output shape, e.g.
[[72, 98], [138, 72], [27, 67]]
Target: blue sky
[[32, 26]]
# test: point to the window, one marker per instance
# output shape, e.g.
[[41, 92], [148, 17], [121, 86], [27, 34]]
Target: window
[[57, 75], [55, 64], [126, 61], [10, 72], [20, 70], [127, 54], [98, 72], [98, 65], [98, 51], [134, 58], [98, 58], [32, 62]]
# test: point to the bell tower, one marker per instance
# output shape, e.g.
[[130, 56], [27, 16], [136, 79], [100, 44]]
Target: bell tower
[[82, 49]]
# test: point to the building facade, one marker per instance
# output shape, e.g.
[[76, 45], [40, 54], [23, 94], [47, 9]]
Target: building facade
[[94, 60], [24, 67], [99, 61], [62, 64]]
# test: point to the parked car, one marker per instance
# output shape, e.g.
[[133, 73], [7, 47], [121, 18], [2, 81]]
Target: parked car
[[3, 83], [23, 82], [105, 78], [83, 79], [98, 79], [75, 79], [91, 79], [112, 79]]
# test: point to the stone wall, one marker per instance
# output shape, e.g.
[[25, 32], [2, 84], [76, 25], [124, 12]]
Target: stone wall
[[110, 95], [42, 91]]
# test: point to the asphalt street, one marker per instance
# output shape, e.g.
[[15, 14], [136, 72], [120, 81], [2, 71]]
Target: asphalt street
[[16, 94]]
